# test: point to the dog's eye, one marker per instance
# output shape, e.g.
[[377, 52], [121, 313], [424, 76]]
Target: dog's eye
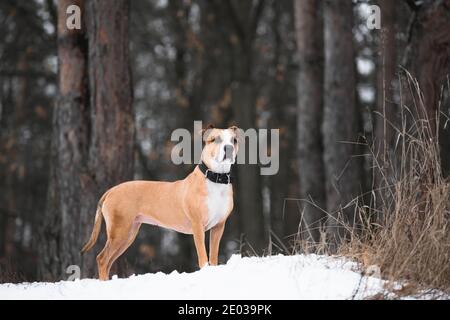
[[217, 140]]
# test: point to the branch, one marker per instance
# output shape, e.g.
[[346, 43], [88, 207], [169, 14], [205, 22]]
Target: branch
[[236, 23], [255, 18], [412, 5]]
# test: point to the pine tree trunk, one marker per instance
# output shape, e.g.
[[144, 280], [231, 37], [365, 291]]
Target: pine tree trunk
[[387, 111], [309, 28], [93, 134], [60, 243], [428, 61], [387, 66], [429, 51], [112, 141], [248, 187], [248, 200], [342, 170]]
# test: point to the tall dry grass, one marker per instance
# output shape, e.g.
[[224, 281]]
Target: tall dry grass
[[405, 228], [409, 239]]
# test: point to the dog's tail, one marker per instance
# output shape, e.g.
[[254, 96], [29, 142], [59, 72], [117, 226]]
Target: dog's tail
[[97, 226]]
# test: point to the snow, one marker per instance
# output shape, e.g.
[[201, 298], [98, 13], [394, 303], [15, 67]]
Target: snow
[[275, 277]]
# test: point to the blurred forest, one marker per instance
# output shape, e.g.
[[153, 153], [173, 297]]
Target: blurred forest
[[83, 110]]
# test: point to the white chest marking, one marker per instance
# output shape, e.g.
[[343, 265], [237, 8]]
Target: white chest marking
[[217, 202]]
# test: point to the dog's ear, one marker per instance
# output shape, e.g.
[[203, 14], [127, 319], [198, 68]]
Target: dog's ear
[[236, 131], [204, 133]]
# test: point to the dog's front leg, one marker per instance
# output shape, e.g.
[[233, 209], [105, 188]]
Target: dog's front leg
[[199, 239], [214, 241]]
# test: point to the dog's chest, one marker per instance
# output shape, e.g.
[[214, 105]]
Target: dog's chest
[[218, 202]]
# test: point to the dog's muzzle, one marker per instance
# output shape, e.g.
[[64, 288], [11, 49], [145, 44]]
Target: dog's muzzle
[[228, 149]]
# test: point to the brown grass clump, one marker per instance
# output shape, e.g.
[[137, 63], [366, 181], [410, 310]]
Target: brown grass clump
[[405, 230], [410, 237]]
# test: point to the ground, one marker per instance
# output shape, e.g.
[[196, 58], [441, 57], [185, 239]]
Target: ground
[[276, 277]]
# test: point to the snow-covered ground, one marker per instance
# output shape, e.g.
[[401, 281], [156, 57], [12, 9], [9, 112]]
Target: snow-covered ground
[[275, 277]]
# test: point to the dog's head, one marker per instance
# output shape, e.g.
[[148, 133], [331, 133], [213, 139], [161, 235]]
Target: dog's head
[[221, 147]]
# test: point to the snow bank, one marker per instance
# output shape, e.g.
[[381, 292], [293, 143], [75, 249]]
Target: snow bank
[[275, 277]]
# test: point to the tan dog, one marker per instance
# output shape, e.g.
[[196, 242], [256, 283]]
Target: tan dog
[[200, 202]]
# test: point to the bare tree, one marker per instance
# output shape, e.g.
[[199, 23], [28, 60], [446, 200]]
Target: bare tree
[[387, 64], [385, 119], [68, 153], [284, 215], [342, 169], [111, 96], [241, 19], [309, 30], [93, 134], [427, 57]]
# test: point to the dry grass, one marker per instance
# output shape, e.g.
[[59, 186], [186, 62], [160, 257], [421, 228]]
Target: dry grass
[[410, 237], [405, 230]]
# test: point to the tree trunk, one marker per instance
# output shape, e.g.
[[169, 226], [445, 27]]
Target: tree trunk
[[61, 240], [428, 61], [187, 111], [387, 66], [244, 17], [282, 213], [429, 51], [112, 141], [92, 142], [248, 188], [309, 28], [387, 112], [342, 171]]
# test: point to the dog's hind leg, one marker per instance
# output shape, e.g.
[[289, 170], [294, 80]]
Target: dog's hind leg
[[117, 238], [120, 250], [102, 257]]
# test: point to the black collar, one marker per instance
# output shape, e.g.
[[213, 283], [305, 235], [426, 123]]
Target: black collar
[[224, 178]]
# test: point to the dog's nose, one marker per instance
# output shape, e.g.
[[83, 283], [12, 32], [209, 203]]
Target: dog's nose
[[228, 148]]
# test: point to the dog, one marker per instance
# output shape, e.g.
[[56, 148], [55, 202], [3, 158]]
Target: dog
[[200, 202]]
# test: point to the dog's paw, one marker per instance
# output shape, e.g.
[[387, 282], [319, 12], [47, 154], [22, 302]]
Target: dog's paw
[[206, 265]]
